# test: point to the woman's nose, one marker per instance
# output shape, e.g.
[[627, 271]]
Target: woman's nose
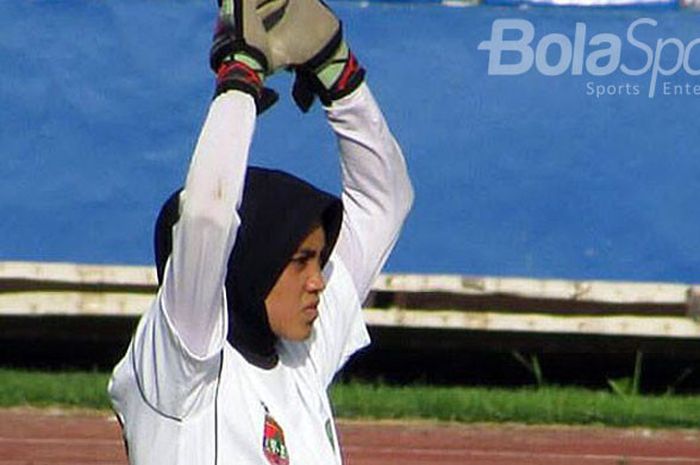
[[316, 282]]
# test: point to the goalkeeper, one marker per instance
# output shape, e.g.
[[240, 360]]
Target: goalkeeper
[[261, 274]]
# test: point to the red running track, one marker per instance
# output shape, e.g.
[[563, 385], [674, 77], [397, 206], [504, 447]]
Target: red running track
[[38, 437]]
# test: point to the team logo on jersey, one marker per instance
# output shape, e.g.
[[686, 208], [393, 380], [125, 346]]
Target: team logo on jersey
[[274, 446]]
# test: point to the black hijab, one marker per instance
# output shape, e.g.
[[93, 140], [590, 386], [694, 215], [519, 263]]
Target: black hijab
[[277, 212]]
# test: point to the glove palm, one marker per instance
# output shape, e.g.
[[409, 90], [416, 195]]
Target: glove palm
[[306, 36], [297, 30]]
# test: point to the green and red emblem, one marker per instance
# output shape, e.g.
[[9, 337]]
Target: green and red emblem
[[273, 442]]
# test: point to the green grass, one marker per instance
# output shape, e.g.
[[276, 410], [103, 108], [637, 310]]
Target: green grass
[[40, 389], [542, 406], [358, 400]]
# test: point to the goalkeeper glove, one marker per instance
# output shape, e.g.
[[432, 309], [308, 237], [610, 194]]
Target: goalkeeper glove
[[306, 36], [240, 52]]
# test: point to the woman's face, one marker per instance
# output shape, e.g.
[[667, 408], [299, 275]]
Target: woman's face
[[292, 304]]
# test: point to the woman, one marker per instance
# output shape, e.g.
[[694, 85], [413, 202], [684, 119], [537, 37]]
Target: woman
[[261, 274]]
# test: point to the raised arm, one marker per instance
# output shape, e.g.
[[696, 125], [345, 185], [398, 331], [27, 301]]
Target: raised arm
[[192, 290], [176, 349], [377, 192], [204, 235]]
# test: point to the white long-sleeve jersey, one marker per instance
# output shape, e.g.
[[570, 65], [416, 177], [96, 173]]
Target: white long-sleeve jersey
[[183, 394]]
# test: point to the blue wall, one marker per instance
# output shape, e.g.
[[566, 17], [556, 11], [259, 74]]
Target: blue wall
[[101, 102]]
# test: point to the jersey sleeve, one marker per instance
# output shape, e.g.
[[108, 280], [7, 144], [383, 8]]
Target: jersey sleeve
[[377, 193], [177, 348]]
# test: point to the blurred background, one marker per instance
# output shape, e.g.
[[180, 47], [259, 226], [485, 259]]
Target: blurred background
[[560, 180]]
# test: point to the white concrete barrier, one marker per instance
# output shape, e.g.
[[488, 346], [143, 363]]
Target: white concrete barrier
[[56, 289]]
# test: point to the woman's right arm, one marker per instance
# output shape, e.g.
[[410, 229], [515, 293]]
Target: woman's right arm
[[175, 356], [192, 294], [176, 351]]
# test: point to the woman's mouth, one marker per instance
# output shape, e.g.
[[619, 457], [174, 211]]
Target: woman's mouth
[[311, 310]]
